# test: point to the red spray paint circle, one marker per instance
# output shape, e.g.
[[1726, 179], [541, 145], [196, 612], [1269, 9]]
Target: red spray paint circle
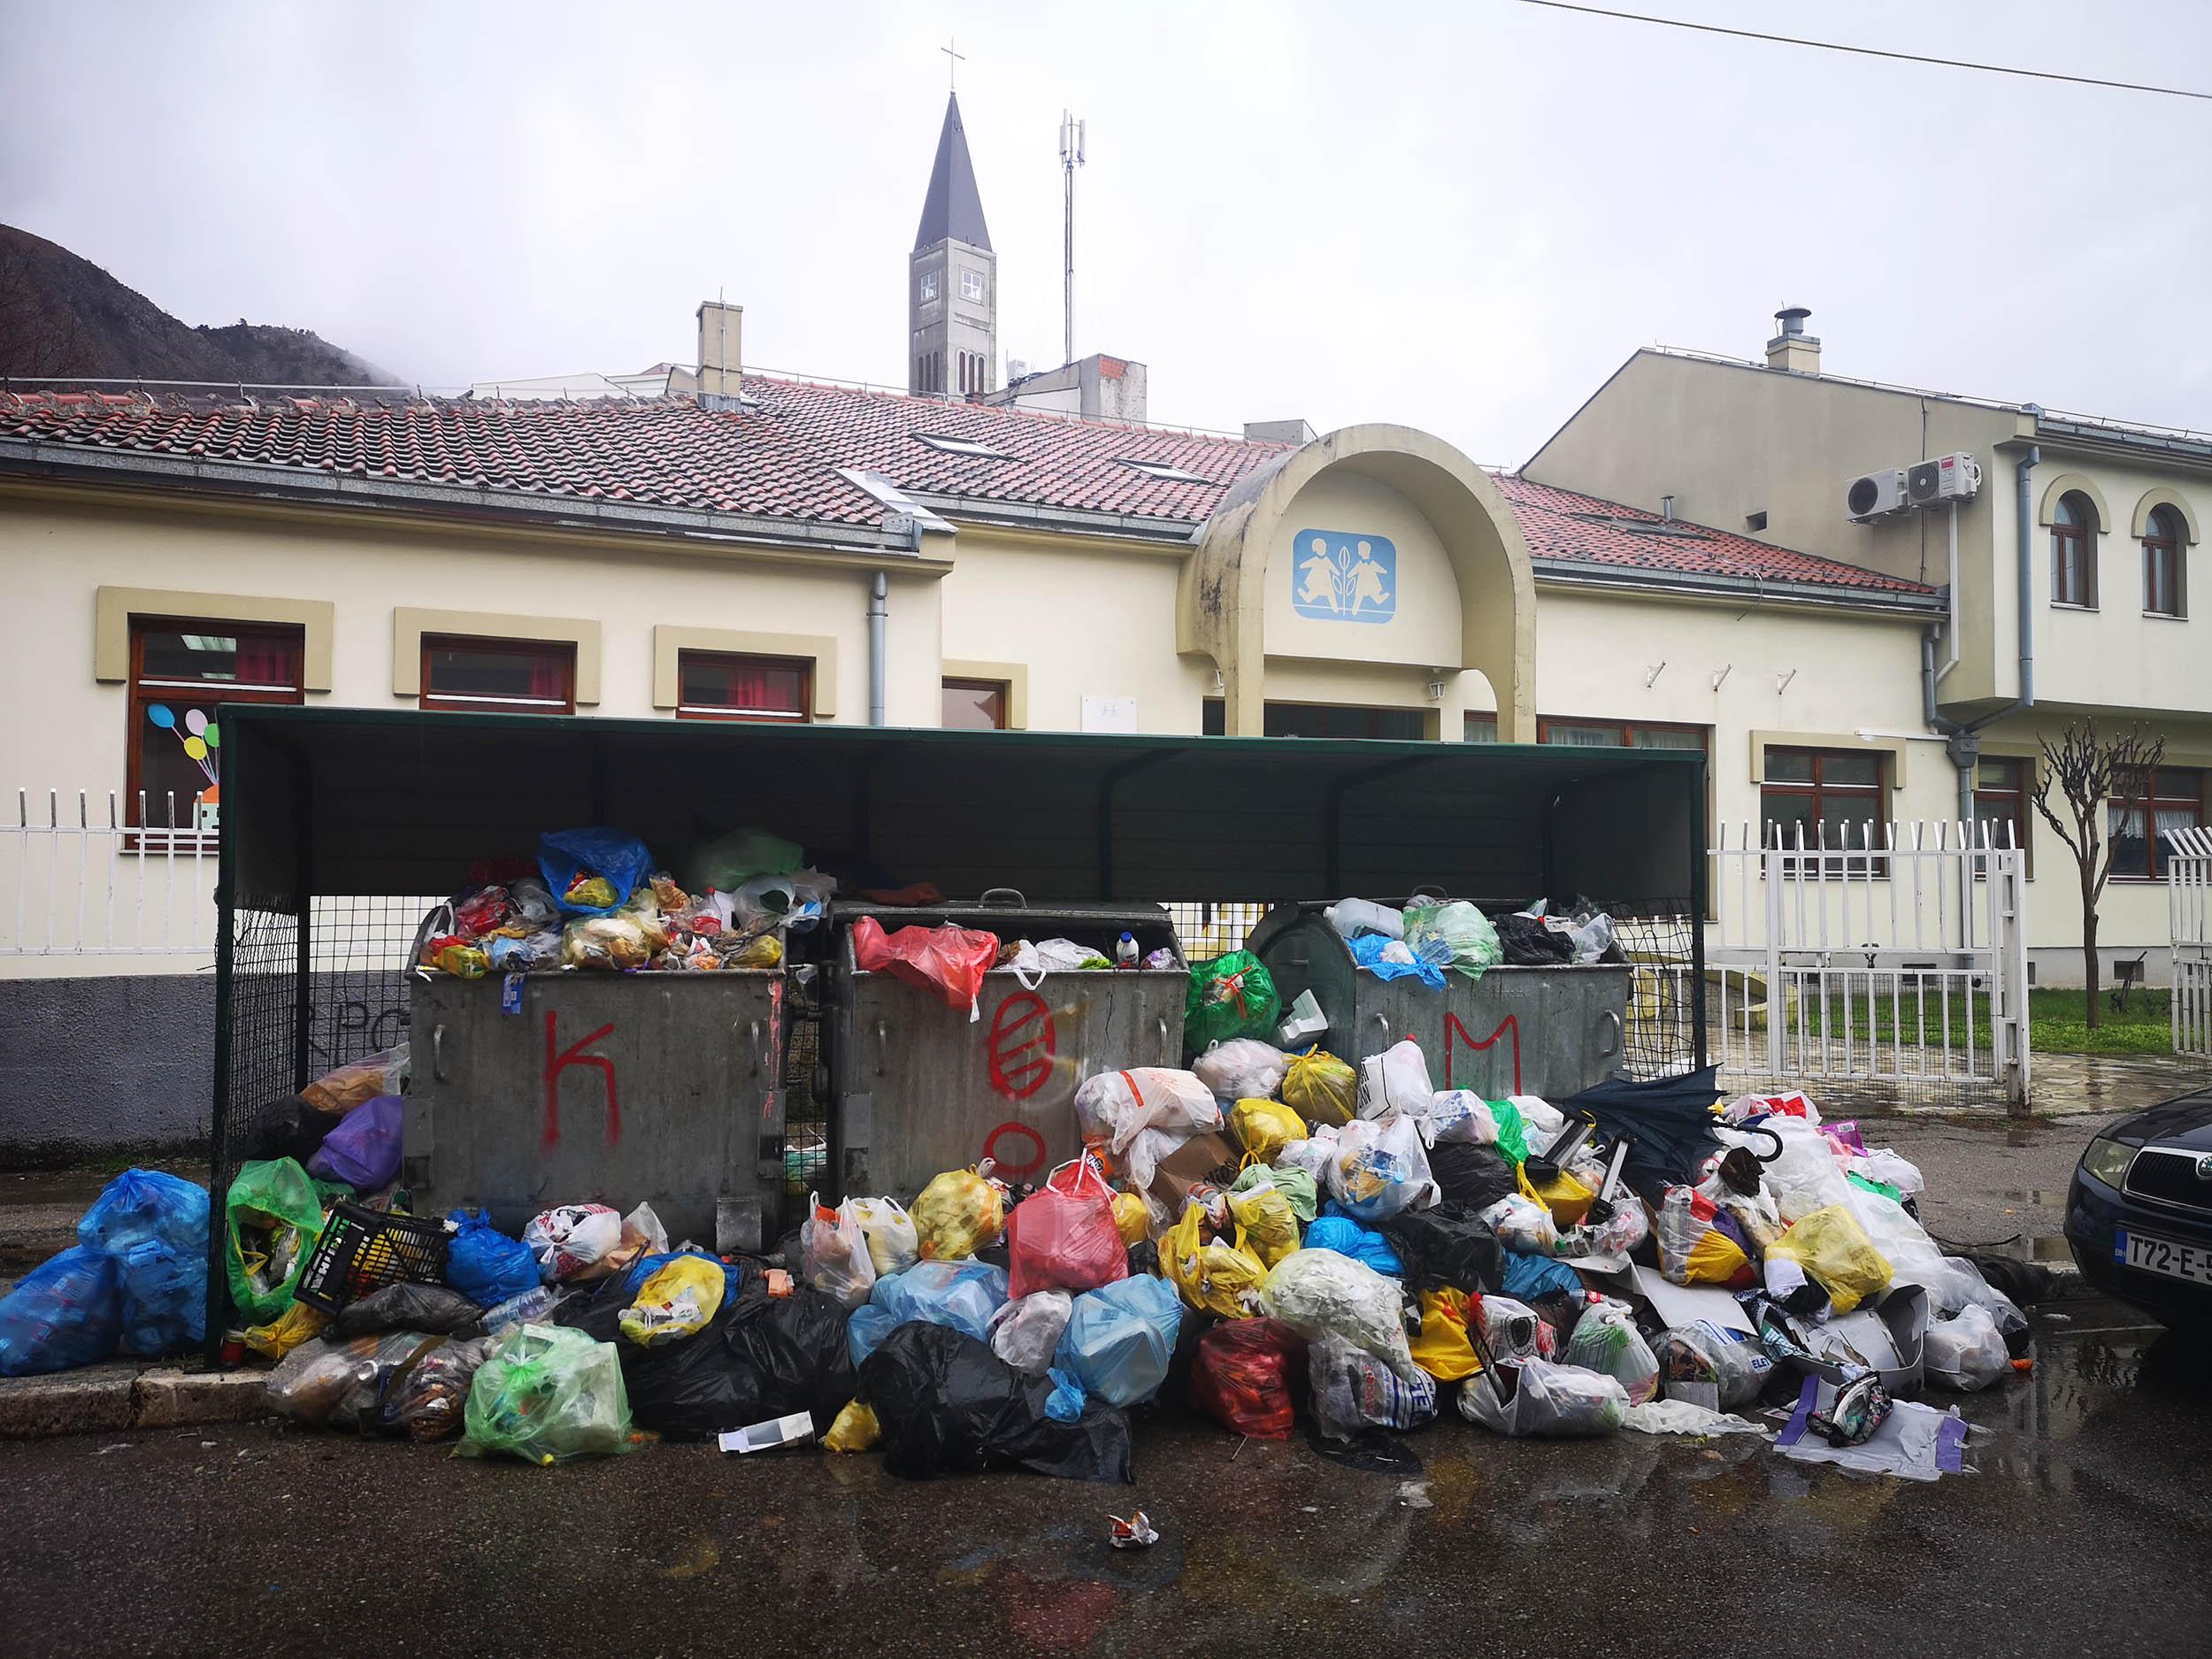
[[1004, 1165], [1021, 1045]]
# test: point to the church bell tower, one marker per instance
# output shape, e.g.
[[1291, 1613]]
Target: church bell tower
[[952, 277]]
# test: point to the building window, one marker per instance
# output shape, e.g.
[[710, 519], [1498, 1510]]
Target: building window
[[2137, 818], [474, 676], [2162, 563], [1325, 720], [974, 705], [2000, 797], [972, 286], [1831, 797], [2074, 551], [720, 686], [181, 672], [1620, 735], [1478, 728], [929, 287]]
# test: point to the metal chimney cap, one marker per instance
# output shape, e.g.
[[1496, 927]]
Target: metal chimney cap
[[1793, 318]]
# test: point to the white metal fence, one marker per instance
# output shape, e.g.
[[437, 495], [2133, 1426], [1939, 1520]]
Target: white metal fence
[[2189, 904], [83, 878], [1897, 958]]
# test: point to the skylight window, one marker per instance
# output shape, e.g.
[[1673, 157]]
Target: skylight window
[[960, 446], [1163, 471]]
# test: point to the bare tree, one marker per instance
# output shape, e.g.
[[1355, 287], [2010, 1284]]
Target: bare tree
[[2091, 772]]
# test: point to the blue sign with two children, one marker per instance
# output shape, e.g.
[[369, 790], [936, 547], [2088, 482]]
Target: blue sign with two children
[[1341, 576]]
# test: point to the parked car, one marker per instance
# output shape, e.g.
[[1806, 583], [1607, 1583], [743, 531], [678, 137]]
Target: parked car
[[2138, 1214]]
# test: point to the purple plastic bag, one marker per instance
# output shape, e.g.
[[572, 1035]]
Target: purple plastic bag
[[363, 1151]]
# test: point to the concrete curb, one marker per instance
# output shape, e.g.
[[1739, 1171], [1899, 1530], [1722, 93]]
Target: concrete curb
[[110, 1398]]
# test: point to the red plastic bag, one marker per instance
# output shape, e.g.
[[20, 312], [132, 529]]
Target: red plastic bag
[[1241, 1377], [1064, 1236], [950, 961]]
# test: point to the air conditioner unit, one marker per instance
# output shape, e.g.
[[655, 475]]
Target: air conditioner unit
[[1877, 495], [1946, 477]]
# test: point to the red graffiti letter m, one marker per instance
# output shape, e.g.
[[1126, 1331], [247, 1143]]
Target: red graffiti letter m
[[558, 1059]]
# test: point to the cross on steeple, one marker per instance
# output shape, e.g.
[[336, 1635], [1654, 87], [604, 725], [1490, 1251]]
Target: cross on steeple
[[953, 60]]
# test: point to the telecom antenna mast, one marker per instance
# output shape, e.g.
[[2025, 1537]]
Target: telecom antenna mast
[[1071, 137]]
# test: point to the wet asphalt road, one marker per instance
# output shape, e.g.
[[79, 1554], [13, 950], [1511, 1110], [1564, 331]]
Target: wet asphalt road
[[2084, 1528]]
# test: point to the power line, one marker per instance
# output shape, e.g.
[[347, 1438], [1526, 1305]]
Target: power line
[[1871, 51]]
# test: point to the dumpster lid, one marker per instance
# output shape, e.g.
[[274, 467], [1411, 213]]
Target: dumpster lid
[[1023, 921]]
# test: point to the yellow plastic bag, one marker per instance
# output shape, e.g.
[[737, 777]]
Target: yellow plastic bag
[[856, 1429], [1266, 1224], [1214, 1278], [1831, 1247], [957, 1214], [1132, 1219], [1321, 1089], [1567, 1198], [1444, 1349], [298, 1323], [1265, 1127], [676, 1301]]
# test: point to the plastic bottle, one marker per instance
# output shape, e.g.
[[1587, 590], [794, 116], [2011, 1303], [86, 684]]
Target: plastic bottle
[[1351, 917], [1125, 952]]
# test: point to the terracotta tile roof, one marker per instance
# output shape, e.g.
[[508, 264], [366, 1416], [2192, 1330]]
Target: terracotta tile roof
[[780, 459], [1560, 524]]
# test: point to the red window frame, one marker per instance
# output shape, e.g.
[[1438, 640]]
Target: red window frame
[[1823, 792], [559, 698], [1625, 730], [790, 710], [2074, 552], [997, 688], [147, 690], [2167, 791]]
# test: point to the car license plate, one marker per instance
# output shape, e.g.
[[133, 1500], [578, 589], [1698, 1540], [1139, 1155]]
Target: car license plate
[[2160, 1255]]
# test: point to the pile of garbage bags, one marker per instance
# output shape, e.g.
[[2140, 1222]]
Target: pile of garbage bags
[[136, 1281], [1431, 940]]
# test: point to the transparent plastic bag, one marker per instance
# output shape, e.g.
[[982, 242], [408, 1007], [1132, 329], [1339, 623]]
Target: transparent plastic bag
[[1395, 1080], [1241, 1068], [574, 1242], [957, 1214], [1458, 1116], [340, 1384], [1120, 1338], [1469, 937], [1353, 1390], [1319, 1292], [428, 1402], [1265, 1127], [1704, 1357], [1024, 1333], [1063, 1236], [1606, 1340], [545, 1394], [1380, 1169], [1114, 1109], [1320, 1088], [894, 1245], [833, 1253], [1965, 1352], [1831, 1247], [1536, 1397], [1522, 1225]]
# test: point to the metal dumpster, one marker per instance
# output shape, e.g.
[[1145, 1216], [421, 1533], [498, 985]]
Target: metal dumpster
[[1551, 1031], [607, 1088], [920, 1088]]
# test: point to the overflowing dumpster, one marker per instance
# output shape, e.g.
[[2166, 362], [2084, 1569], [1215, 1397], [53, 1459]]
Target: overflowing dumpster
[[919, 1088], [595, 1086], [1553, 1032]]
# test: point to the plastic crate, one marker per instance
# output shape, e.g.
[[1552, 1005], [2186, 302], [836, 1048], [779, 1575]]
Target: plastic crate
[[363, 1249]]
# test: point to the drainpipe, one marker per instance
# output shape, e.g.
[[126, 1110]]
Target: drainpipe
[[878, 623], [2025, 523]]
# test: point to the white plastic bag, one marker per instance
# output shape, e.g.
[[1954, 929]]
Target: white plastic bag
[[1380, 1169], [1023, 1334], [1314, 1156], [1025, 964], [1354, 1390], [1806, 1176], [1701, 1360], [893, 1244], [1115, 1107], [1679, 1417], [1395, 1080], [1606, 1340], [1514, 1331], [1459, 1116], [571, 1240], [833, 1253], [1543, 1119], [1538, 1397], [1243, 1068], [1952, 1282], [1965, 1352], [1065, 955], [1892, 1169], [1319, 1292], [1522, 1225]]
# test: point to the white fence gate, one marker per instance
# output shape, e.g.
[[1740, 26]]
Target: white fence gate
[[85, 880], [1897, 961], [2189, 904]]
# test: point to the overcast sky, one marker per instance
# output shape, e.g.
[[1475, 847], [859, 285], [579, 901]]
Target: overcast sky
[[1460, 216]]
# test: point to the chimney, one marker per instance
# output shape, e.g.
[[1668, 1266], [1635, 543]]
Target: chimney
[[1792, 349], [1278, 431], [721, 333]]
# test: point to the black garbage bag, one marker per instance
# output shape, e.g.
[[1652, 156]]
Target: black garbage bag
[[1446, 1245], [947, 1403], [759, 1358], [797, 1347], [1476, 1177], [1667, 1121], [291, 1128], [405, 1307], [595, 1309], [1528, 943]]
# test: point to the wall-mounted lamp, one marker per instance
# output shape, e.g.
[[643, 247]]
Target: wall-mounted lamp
[[1436, 689], [1220, 683]]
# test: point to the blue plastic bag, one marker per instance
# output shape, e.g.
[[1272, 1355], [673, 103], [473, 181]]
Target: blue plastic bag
[[64, 1313], [363, 1151], [1339, 1231], [1065, 1404], [620, 857], [1367, 950], [1528, 1277], [155, 1224], [485, 1266], [961, 1294], [1120, 1338]]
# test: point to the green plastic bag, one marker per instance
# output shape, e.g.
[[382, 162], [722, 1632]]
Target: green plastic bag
[[1296, 1186], [273, 1216], [1462, 928], [1512, 1130], [547, 1393], [1230, 996], [728, 862]]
